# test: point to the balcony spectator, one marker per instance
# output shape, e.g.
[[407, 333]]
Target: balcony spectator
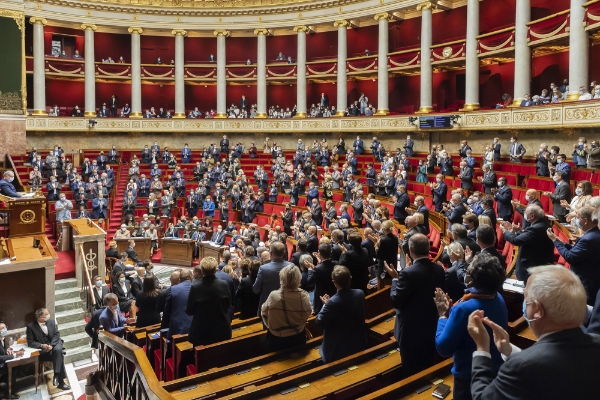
[[103, 112], [367, 53], [545, 97], [108, 60], [76, 112], [289, 60], [63, 54], [54, 111], [565, 86], [76, 54], [212, 58], [121, 61], [248, 62], [113, 106], [172, 62], [527, 101], [158, 61], [506, 101], [280, 57], [597, 92], [126, 111], [556, 96], [148, 114], [583, 94]]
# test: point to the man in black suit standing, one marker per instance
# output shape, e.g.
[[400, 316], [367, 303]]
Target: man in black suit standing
[[439, 191], [503, 196], [312, 241], [416, 314], [267, 279], [531, 196], [316, 212], [486, 239], [401, 203], [113, 106], [411, 229], [561, 192], [464, 147], [130, 252], [324, 102], [387, 251], [342, 319], [301, 244], [209, 302], [535, 248], [319, 276], [357, 261], [563, 364], [224, 143], [487, 203], [43, 334], [457, 210], [489, 179], [243, 103]]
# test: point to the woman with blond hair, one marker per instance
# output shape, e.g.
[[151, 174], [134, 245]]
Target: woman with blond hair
[[286, 311]]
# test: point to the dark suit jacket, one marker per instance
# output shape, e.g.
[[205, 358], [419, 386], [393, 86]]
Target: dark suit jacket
[[92, 326], [246, 299], [320, 278], [400, 213], [562, 365], [3, 356], [100, 299], [416, 314], [36, 337], [535, 248], [342, 319], [456, 215], [455, 275], [489, 181], [494, 252], [296, 258], [388, 251], [357, 261], [503, 198], [312, 244], [267, 280], [132, 254], [317, 215], [492, 215], [464, 242], [582, 257], [209, 302], [180, 320], [562, 192], [439, 195]]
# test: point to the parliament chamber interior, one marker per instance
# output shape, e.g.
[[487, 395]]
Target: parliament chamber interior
[[405, 207]]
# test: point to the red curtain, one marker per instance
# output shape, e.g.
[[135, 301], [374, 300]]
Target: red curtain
[[47, 42], [79, 41]]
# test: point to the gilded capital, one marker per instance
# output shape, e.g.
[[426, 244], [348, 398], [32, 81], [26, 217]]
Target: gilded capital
[[135, 29], [38, 20], [86, 27], [179, 32], [383, 15], [222, 32], [261, 31], [427, 5], [301, 28], [341, 22]]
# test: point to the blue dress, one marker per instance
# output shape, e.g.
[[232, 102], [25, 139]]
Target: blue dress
[[422, 174]]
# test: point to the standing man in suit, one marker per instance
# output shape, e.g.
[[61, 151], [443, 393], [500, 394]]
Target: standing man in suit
[[43, 334], [99, 206], [267, 278], [224, 144], [316, 212], [408, 146], [113, 106], [243, 104], [177, 300], [486, 239], [401, 203], [582, 255], [531, 196], [130, 252], [561, 192], [457, 210], [356, 259], [516, 150], [324, 101], [186, 154], [387, 251], [342, 319], [423, 210], [358, 146], [535, 248], [100, 291], [564, 357], [319, 276], [208, 304], [541, 161], [412, 294], [464, 147], [446, 168], [488, 179], [503, 196], [439, 190]]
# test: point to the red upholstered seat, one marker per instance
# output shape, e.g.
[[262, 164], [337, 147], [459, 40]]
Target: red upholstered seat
[[190, 370], [157, 369], [169, 375]]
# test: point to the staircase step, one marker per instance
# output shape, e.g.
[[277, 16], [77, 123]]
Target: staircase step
[[64, 317], [65, 283], [72, 328], [68, 304], [68, 293], [75, 340], [78, 353]]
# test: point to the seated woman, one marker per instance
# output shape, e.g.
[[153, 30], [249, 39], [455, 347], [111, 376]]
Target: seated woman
[[484, 279], [421, 223], [146, 301], [122, 288], [286, 311]]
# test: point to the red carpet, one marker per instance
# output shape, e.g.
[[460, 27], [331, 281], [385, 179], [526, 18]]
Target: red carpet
[[157, 257], [65, 265]]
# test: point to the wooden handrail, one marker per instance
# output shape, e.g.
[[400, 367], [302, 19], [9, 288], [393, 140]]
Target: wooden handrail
[[510, 28], [17, 182], [549, 17], [87, 275]]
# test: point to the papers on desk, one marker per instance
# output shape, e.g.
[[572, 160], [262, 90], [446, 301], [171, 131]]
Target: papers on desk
[[27, 195], [28, 351], [5, 261], [513, 285]]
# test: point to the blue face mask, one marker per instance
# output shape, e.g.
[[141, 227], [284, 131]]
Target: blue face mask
[[99, 283], [122, 280], [529, 321], [577, 223], [4, 332]]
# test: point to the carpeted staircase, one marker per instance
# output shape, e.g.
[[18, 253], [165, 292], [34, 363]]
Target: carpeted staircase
[[70, 317], [117, 206]]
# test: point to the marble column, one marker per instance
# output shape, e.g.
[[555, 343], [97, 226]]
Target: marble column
[[180, 34], [261, 73], [382, 67], [136, 72], [522, 52], [90, 70], [472, 61], [342, 83], [578, 51], [221, 73], [426, 102], [39, 74], [301, 31]]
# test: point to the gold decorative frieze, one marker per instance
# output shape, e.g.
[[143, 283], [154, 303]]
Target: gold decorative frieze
[[341, 22], [222, 32], [135, 29], [427, 5], [583, 113], [179, 32], [86, 27], [37, 20], [383, 15], [536, 116], [483, 119], [301, 28]]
